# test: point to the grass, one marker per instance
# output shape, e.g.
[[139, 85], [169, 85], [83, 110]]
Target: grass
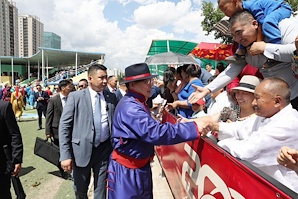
[[39, 178]]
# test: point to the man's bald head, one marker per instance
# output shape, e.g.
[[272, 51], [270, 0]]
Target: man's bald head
[[271, 96], [278, 87]]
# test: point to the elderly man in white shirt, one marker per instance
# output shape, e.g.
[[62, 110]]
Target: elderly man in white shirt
[[258, 139]]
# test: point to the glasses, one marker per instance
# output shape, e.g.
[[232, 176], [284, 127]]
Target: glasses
[[81, 86], [56, 88]]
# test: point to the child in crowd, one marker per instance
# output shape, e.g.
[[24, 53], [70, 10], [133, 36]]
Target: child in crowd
[[268, 13], [198, 109]]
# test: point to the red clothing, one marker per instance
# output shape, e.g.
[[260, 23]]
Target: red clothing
[[49, 92]]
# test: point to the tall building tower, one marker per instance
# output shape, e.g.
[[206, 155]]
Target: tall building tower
[[51, 40], [8, 29], [30, 35]]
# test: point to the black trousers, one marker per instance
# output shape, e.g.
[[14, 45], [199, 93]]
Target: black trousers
[[5, 186], [40, 111]]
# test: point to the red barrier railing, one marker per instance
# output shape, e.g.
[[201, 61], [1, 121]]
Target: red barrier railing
[[201, 169]]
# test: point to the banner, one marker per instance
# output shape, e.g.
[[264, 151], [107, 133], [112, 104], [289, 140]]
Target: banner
[[201, 169]]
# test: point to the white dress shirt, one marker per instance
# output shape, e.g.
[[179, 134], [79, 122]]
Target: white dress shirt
[[258, 141], [220, 101], [104, 135], [63, 99]]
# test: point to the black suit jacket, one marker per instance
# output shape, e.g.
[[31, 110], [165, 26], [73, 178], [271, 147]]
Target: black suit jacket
[[9, 135], [54, 111], [41, 103]]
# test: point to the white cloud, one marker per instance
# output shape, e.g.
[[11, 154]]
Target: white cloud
[[154, 15], [83, 27], [142, 2]]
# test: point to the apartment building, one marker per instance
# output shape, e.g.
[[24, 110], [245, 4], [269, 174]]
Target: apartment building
[[8, 29], [30, 32]]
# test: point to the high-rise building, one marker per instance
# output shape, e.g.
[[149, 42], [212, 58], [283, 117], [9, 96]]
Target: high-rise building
[[8, 28], [30, 35], [51, 40]]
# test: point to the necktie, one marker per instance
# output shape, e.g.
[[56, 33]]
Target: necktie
[[64, 100], [97, 120]]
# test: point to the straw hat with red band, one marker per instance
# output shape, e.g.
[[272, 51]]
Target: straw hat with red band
[[137, 72]]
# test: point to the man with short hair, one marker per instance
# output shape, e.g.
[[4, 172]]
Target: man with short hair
[[121, 91], [85, 129], [54, 111], [112, 83], [83, 83], [257, 140], [41, 98], [55, 108], [270, 59]]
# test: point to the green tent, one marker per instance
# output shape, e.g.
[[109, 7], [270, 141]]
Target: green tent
[[162, 46]]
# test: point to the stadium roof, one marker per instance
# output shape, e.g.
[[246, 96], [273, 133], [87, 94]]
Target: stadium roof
[[54, 58], [161, 46]]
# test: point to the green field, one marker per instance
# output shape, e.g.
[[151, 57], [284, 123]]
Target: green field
[[40, 178]]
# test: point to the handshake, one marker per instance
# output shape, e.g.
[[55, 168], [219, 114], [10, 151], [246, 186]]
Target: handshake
[[204, 124]]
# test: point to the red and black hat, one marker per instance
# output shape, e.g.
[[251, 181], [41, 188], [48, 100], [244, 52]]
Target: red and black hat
[[137, 72]]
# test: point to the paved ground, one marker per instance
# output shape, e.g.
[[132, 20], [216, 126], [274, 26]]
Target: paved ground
[[40, 179]]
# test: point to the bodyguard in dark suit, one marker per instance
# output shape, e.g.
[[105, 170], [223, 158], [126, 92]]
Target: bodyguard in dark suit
[[9, 135], [121, 91], [54, 111], [55, 108], [84, 133], [41, 98]]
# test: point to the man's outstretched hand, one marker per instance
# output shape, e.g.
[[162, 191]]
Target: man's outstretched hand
[[198, 94]]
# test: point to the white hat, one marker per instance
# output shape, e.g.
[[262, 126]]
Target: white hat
[[247, 83]]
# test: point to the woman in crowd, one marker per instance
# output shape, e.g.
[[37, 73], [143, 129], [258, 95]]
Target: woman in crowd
[[24, 94], [244, 96], [7, 94], [17, 103], [31, 97], [189, 74], [170, 82]]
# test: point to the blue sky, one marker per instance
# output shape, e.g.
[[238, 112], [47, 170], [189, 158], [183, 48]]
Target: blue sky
[[122, 29]]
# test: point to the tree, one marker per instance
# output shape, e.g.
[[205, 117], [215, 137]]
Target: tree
[[213, 15], [294, 6]]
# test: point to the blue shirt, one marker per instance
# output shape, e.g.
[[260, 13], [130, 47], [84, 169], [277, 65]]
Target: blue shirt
[[261, 8], [184, 94]]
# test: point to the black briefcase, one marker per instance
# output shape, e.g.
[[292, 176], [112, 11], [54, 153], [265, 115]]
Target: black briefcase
[[47, 150]]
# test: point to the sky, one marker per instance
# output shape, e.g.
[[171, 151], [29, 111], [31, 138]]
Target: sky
[[121, 29]]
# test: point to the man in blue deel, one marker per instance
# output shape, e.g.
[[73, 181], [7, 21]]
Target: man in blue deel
[[135, 133]]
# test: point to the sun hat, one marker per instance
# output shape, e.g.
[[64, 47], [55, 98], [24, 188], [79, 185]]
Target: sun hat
[[247, 83], [137, 72]]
